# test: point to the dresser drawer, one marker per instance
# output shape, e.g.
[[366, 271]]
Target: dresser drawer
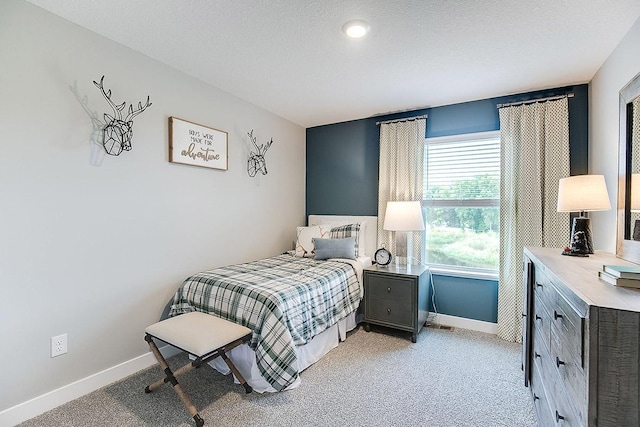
[[388, 311], [544, 289], [570, 325], [540, 401], [390, 288], [541, 321], [561, 409], [568, 365], [556, 394], [542, 358]]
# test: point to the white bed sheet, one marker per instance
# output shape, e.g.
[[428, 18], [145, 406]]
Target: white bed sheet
[[244, 358]]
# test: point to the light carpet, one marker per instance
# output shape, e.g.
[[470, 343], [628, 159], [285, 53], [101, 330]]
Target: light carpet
[[448, 378]]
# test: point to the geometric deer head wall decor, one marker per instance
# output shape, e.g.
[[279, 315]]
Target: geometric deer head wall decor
[[256, 160], [118, 131]]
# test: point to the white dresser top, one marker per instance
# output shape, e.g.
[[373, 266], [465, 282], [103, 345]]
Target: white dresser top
[[581, 274]]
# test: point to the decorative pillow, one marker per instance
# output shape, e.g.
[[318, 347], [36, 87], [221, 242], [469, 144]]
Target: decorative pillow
[[360, 239], [305, 236], [349, 230], [335, 248]]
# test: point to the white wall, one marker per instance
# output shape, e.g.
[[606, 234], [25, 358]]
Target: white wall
[[93, 245], [621, 66]]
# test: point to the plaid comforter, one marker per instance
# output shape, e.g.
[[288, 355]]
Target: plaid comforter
[[285, 300]]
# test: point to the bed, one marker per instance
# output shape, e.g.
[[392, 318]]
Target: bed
[[298, 307]]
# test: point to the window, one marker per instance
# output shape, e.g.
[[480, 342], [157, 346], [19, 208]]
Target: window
[[462, 201]]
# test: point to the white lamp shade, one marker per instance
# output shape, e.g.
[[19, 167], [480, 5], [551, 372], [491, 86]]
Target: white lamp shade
[[403, 216], [583, 193], [635, 192]]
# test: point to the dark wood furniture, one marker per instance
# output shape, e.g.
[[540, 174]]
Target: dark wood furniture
[[580, 340], [397, 297]]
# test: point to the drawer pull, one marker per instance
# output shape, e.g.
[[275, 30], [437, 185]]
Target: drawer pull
[[556, 316], [389, 290], [535, 397], [559, 362], [536, 354], [388, 311], [539, 285], [538, 317], [559, 417]]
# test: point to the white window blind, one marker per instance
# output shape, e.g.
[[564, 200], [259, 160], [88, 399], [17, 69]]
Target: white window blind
[[461, 169], [461, 201]]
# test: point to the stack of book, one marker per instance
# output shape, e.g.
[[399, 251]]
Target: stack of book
[[621, 275]]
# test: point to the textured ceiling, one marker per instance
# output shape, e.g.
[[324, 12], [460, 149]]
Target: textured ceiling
[[291, 58]]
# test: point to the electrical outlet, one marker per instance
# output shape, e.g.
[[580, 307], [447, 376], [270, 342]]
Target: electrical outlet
[[58, 345]]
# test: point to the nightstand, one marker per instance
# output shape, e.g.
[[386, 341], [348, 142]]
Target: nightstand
[[397, 297]]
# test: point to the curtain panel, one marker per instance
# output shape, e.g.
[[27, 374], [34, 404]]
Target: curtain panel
[[401, 172], [534, 156], [635, 153]]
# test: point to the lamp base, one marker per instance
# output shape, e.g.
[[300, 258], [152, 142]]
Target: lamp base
[[581, 240], [404, 248], [569, 253]]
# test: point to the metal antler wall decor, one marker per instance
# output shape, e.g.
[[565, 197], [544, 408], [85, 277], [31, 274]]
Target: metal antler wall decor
[[256, 160], [117, 132]]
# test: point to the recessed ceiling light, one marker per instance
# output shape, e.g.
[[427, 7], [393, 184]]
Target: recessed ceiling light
[[355, 29]]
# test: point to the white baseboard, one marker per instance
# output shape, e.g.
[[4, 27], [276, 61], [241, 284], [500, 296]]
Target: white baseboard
[[461, 322], [69, 392]]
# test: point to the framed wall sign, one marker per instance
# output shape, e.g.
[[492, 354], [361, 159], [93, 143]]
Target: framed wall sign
[[197, 145]]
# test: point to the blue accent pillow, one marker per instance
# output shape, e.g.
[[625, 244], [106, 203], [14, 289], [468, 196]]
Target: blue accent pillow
[[335, 248]]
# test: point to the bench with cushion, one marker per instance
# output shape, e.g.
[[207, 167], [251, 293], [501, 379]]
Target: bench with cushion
[[202, 335]]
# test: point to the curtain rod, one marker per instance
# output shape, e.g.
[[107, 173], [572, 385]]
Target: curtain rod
[[531, 101], [404, 119]]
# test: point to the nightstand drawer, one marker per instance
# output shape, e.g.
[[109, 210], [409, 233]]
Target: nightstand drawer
[[390, 288], [390, 311]]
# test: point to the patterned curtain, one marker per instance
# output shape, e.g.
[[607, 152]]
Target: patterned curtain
[[400, 174], [534, 156], [635, 153]]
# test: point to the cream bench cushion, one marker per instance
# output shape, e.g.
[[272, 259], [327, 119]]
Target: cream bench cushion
[[197, 333]]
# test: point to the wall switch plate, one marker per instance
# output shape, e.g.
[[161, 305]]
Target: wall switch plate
[[58, 345]]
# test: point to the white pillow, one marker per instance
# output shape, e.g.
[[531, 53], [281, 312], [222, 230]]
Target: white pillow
[[305, 236], [361, 233]]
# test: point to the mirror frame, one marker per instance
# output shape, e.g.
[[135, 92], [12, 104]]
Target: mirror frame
[[625, 248]]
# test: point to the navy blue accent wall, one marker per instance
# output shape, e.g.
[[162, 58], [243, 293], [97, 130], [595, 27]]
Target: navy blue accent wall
[[342, 174], [342, 169], [463, 297]]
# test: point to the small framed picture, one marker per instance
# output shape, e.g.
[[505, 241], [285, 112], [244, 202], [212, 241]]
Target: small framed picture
[[197, 145]]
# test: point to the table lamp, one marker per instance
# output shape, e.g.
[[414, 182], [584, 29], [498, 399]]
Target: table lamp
[[403, 218], [582, 193]]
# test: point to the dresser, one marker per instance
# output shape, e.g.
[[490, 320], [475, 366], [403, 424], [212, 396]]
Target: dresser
[[580, 341], [397, 297]]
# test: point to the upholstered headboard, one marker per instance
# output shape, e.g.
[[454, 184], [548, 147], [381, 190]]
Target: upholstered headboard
[[371, 231]]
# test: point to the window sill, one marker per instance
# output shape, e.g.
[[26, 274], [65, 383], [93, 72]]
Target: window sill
[[463, 273]]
